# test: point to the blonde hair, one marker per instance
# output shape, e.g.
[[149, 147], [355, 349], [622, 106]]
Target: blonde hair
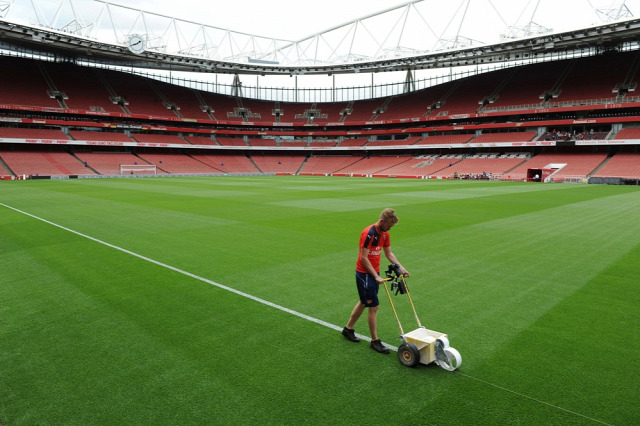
[[389, 214]]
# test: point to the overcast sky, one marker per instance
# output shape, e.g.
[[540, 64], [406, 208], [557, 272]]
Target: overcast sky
[[295, 19], [285, 19]]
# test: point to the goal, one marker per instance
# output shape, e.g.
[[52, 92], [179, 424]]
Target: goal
[[137, 169]]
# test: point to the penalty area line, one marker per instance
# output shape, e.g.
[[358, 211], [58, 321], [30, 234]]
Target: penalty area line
[[271, 304]]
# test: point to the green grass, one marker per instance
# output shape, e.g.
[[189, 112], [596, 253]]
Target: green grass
[[535, 284]]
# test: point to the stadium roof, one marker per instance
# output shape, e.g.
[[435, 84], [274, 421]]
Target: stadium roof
[[116, 35]]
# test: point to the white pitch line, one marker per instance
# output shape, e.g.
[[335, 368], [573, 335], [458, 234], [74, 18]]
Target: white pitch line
[[539, 401], [273, 305], [183, 272]]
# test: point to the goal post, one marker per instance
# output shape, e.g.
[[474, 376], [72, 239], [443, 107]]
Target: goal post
[[138, 169]]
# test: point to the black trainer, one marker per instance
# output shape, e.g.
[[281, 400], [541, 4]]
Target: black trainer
[[379, 347], [350, 334]]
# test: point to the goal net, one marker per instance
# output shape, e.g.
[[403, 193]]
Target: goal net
[[137, 169]]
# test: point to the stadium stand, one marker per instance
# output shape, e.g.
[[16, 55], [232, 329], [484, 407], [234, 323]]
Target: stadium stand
[[23, 83], [225, 141], [228, 163], [273, 163], [262, 142], [621, 165], [109, 163], [505, 137], [373, 165], [323, 143], [183, 102], [364, 110], [445, 139], [177, 164], [32, 133], [137, 95], [524, 88], [200, 140], [485, 166], [353, 142], [44, 163], [465, 96], [404, 135], [89, 135], [158, 138], [569, 165], [81, 88], [399, 142], [327, 164], [592, 79], [629, 133]]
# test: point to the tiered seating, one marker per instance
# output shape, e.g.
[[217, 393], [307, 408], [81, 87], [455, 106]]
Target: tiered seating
[[622, 165], [629, 133], [88, 135], [223, 107], [43, 163], [577, 136], [262, 142], [289, 110], [228, 163], [183, 98], [83, 88], [327, 164], [578, 165], [109, 163], [436, 165], [407, 141], [413, 105], [293, 144], [364, 110], [139, 93], [354, 142], [226, 141], [267, 163], [469, 92], [595, 77], [445, 139], [261, 111], [505, 137], [177, 163], [422, 166], [23, 84], [163, 139], [200, 140], [526, 85], [331, 110], [483, 164], [373, 165], [402, 166], [29, 133], [323, 143]]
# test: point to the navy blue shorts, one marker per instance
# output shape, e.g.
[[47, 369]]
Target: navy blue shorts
[[367, 289]]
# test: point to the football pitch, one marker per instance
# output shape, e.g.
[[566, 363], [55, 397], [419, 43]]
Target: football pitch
[[220, 301]]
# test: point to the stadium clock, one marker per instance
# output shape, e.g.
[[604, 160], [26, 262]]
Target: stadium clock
[[136, 43]]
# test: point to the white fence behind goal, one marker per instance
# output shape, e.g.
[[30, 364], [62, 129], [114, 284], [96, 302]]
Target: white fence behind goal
[[137, 169]]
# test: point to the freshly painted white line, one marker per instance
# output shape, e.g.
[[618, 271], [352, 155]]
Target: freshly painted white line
[[274, 305], [187, 273]]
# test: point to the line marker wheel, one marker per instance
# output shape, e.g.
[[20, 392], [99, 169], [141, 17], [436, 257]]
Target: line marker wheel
[[421, 345], [408, 355]]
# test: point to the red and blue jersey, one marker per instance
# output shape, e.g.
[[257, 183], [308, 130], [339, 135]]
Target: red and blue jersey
[[373, 239]]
